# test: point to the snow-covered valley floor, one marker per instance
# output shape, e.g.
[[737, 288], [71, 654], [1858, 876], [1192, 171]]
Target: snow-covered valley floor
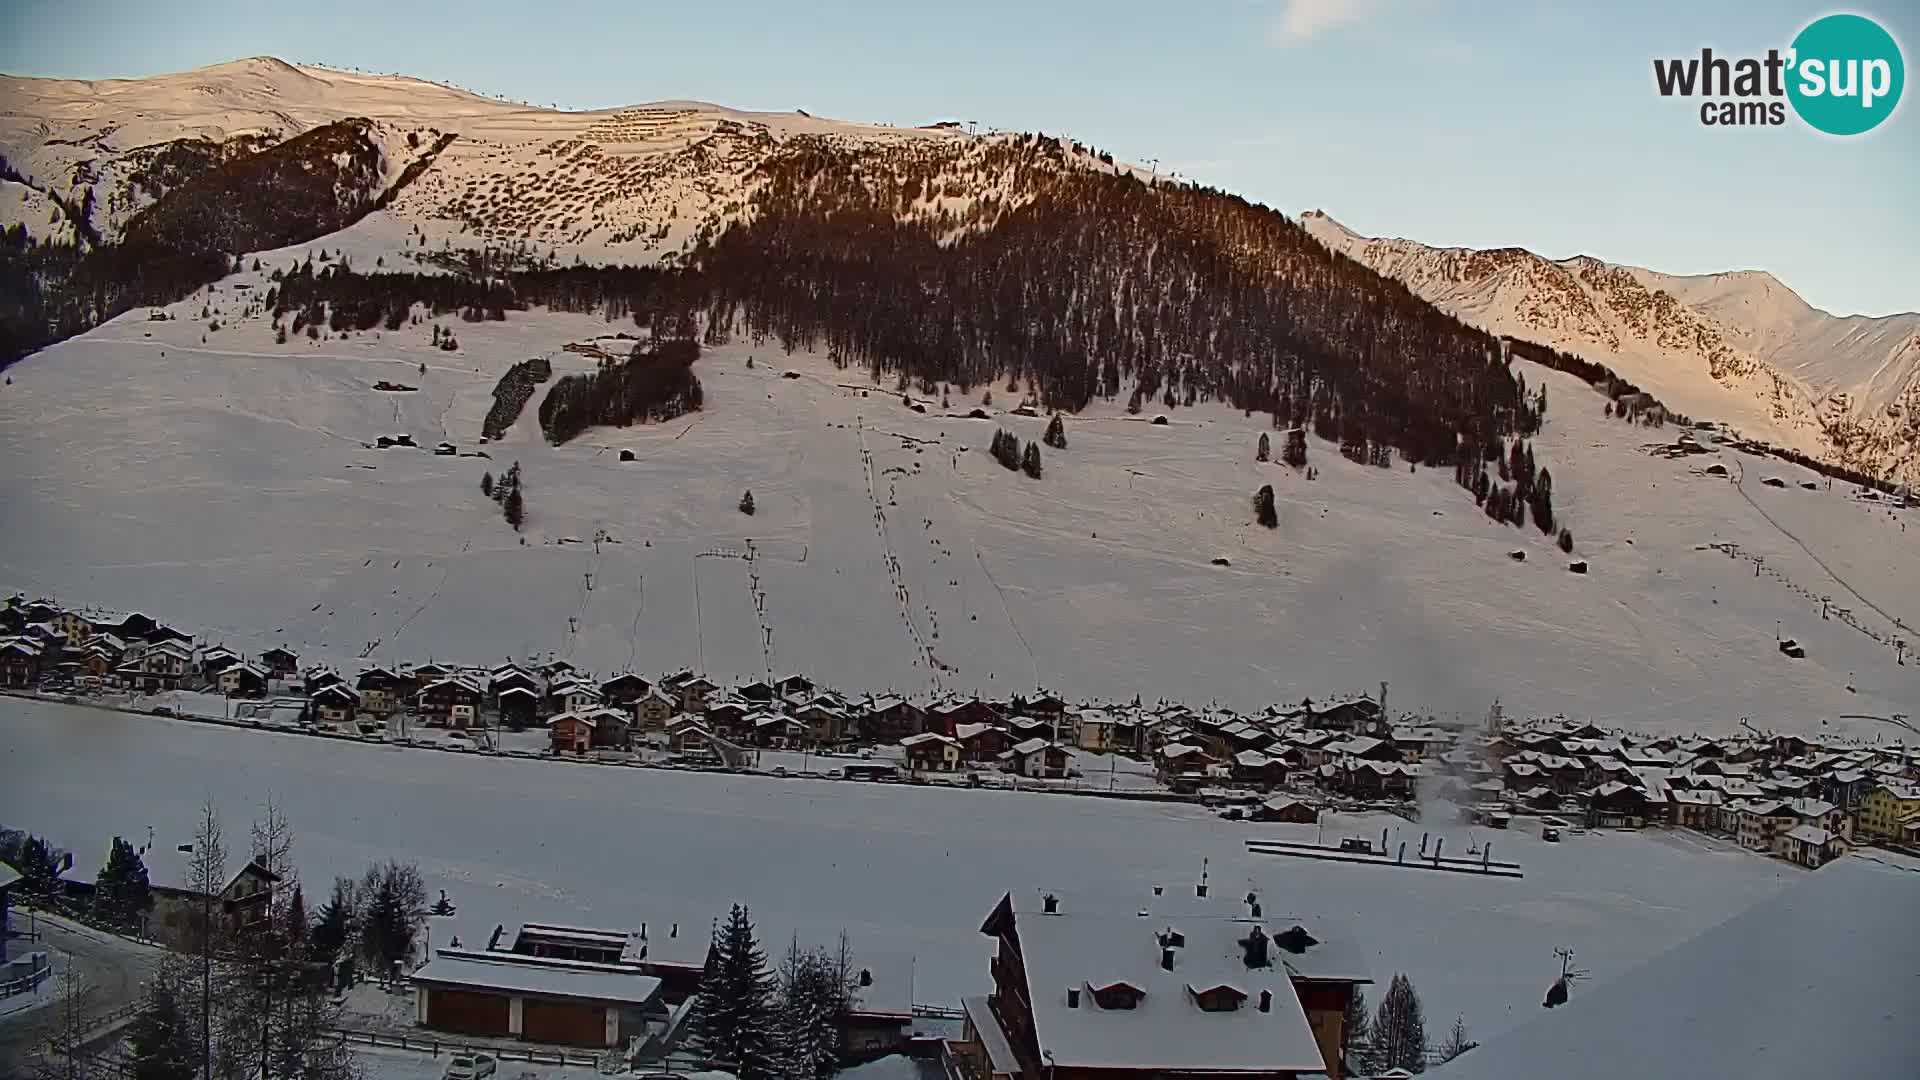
[[903, 870], [229, 486]]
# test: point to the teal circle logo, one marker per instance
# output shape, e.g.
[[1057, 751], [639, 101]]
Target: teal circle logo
[[1846, 74]]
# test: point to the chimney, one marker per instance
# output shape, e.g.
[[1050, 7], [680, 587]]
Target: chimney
[[643, 931], [1050, 904], [1256, 909], [1073, 997], [1159, 889], [1254, 946], [1166, 958], [1200, 890], [1266, 1001], [675, 932]]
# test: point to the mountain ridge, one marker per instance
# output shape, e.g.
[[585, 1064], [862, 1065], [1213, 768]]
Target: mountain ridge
[[1737, 346], [650, 184]]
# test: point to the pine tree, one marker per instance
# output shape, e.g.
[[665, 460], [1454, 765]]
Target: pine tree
[[1542, 501], [39, 873], [1359, 1035], [486, 484], [332, 929], [1457, 1041], [121, 893], [393, 902], [1030, 461], [1263, 508], [746, 504], [736, 1010], [515, 508], [1056, 435], [814, 995], [1265, 452], [1566, 541], [159, 1039], [1399, 1029], [296, 928]]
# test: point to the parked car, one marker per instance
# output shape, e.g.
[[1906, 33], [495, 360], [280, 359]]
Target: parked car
[[1357, 844], [471, 1067], [1550, 834]]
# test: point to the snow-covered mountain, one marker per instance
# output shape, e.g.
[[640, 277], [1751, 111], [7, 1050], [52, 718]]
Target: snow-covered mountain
[[1740, 348], [627, 185], [213, 455]]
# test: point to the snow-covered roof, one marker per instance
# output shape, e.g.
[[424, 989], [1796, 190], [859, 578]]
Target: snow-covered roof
[[1902, 790], [1744, 998], [928, 737], [1359, 744], [993, 1038], [964, 732], [590, 982], [1810, 808], [8, 875], [1028, 746], [1166, 1029], [1811, 834]]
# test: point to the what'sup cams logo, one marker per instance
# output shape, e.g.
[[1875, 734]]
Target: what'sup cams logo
[[1843, 75]]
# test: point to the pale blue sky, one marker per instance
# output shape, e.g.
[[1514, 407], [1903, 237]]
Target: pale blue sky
[[1486, 122]]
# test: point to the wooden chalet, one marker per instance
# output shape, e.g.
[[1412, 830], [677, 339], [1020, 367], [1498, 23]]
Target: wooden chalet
[[931, 751], [382, 692], [449, 702], [281, 663], [890, 719], [624, 691], [334, 703], [243, 680], [519, 706]]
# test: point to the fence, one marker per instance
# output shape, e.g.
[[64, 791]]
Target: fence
[[435, 1047], [25, 983]]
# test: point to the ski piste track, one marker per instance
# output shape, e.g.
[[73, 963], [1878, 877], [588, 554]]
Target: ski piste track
[[1740, 485]]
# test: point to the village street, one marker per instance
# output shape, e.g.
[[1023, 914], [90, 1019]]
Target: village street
[[110, 970]]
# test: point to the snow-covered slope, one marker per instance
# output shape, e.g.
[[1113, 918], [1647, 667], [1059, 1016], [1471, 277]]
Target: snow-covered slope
[[1740, 348], [628, 185], [229, 484]]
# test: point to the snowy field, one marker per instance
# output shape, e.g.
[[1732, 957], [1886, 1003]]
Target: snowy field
[[902, 869], [230, 486]]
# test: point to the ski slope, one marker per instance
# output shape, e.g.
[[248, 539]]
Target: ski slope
[[231, 486]]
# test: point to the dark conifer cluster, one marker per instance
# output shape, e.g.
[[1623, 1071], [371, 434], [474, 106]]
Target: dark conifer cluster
[[655, 382]]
